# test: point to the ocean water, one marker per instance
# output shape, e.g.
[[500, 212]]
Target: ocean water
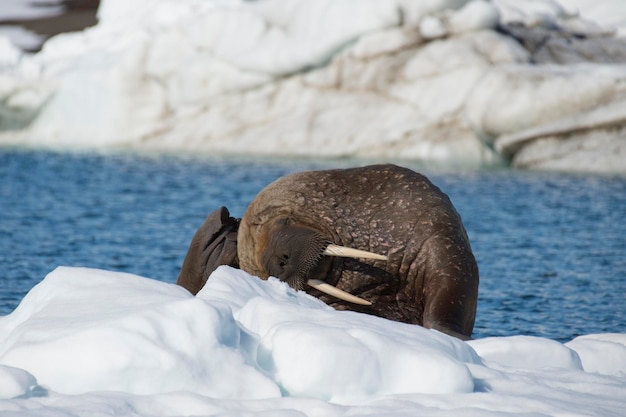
[[551, 248]]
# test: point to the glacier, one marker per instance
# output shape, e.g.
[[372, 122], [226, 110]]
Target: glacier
[[536, 84]]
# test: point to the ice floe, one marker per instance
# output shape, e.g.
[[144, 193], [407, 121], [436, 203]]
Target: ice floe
[[87, 341]]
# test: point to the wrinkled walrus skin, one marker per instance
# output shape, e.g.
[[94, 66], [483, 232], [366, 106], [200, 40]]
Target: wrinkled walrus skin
[[430, 277]]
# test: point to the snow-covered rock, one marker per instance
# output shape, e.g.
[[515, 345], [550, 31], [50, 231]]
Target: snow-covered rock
[[437, 80]]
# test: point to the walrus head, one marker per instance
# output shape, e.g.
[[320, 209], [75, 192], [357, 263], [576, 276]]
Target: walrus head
[[298, 255], [294, 253]]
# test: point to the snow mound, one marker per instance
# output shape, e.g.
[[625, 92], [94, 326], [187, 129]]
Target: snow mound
[[86, 342], [601, 353], [527, 352], [343, 356], [84, 330], [15, 382]]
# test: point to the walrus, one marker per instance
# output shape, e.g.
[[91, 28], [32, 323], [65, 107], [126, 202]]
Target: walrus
[[382, 234]]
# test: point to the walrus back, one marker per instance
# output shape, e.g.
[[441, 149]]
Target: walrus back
[[388, 210], [374, 208]]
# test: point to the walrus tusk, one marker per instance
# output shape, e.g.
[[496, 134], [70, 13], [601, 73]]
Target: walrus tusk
[[336, 292], [335, 250]]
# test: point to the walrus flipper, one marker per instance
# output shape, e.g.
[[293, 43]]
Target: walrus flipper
[[214, 244], [451, 286]]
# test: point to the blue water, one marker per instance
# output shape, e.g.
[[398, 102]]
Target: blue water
[[550, 247]]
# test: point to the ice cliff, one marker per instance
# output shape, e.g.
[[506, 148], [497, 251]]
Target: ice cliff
[[534, 82]]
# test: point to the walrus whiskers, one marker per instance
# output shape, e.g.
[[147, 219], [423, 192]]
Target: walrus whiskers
[[336, 292], [335, 250]]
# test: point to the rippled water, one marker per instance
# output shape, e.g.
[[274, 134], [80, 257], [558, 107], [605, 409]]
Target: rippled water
[[550, 247]]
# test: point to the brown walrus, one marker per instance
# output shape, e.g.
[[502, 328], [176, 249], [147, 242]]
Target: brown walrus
[[423, 271]]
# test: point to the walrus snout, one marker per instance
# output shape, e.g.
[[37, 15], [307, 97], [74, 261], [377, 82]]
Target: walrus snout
[[295, 254], [345, 252]]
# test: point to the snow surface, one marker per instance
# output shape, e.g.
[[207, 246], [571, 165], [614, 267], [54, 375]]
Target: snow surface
[[364, 78], [89, 342]]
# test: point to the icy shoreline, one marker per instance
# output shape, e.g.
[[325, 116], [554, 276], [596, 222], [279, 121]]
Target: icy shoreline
[[86, 341], [440, 80]]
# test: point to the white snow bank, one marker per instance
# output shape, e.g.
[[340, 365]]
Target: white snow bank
[[320, 354], [602, 353], [568, 94], [526, 352], [364, 78], [610, 14], [85, 342], [146, 337], [598, 16], [137, 335]]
